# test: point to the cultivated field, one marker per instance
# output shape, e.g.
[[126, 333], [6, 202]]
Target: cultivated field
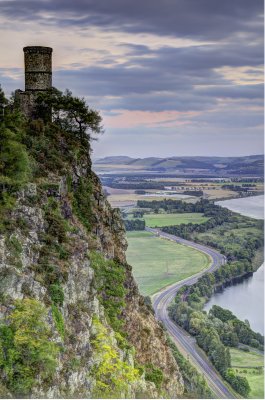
[[158, 262], [248, 363], [158, 220], [124, 198]]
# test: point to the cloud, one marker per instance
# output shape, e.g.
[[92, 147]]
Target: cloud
[[182, 71], [186, 18]]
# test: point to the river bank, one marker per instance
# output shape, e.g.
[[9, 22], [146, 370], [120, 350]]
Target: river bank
[[244, 297]]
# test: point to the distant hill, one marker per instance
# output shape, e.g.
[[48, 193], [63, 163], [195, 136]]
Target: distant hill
[[246, 165], [115, 160]]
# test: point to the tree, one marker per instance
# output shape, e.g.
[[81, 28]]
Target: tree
[[70, 113], [3, 103], [221, 313], [138, 214], [239, 383]]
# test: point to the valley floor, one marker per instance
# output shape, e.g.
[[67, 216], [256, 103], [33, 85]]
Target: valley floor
[[158, 262]]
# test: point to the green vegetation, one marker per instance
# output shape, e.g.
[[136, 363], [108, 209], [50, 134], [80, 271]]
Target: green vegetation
[[51, 144], [154, 374], [236, 236], [159, 220], [110, 277], [70, 113], [56, 293], [239, 238], [113, 376], [7, 204], [82, 192], [158, 262], [214, 332], [55, 141], [15, 249], [14, 245], [56, 224], [14, 159], [134, 224], [239, 383], [58, 320], [241, 358], [52, 267], [255, 378], [180, 207], [190, 217], [32, 149], [27, 352], [139, 234], [195, 385]]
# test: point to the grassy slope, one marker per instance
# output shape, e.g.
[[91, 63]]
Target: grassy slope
[[254, 376], [157, 262], [246, 359]]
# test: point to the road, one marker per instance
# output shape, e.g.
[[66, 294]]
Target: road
[[185, 342]]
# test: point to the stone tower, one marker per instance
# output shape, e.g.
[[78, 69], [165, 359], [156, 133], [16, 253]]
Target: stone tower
[[38, 77]]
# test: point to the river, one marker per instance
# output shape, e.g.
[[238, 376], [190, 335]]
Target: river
[[252, 206], [246, 298]]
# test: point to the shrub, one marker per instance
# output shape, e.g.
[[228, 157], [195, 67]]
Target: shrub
[[154, 374], [14, 161], [82, 202], [56, 293], [239, 383], [26, 352], [56, 225], [110, 278], [7, 203], [112, 375], [58, 320]]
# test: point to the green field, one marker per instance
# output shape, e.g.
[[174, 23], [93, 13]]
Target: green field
[[255, 376], [158, 220], [159, 262]]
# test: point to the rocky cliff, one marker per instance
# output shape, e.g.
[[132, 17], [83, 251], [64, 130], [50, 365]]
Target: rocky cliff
[[72, 321]]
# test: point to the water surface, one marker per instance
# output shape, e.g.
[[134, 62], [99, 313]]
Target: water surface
[[244, 299], [252, 206]]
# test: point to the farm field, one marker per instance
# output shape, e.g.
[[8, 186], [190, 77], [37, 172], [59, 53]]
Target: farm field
[[125, 198], [247, 361], [158, 220], [158, 262]]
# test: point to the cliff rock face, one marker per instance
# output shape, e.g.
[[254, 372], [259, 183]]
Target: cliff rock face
[[61, 235], [144, 332]]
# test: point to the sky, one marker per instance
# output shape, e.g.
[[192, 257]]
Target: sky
[[169, 77]]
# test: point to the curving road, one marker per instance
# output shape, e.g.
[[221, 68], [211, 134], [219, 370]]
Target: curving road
[[186, 343]]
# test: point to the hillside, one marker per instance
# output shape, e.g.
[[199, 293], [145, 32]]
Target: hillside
[[217, 166], [72, 321]]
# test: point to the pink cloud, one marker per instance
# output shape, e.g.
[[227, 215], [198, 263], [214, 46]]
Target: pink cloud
[[131, 119]]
